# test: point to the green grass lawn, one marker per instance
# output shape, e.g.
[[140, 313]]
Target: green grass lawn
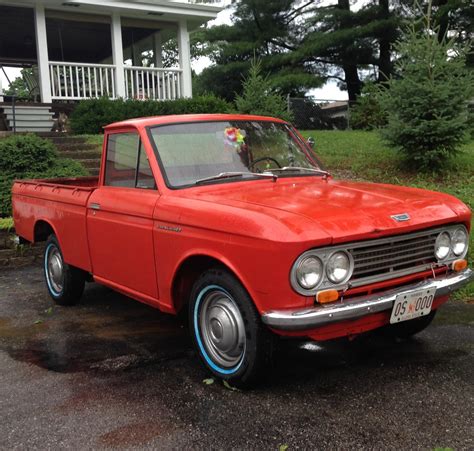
[[362, 155]]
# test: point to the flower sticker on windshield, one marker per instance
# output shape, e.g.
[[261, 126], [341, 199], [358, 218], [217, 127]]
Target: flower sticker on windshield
[[234, 136]]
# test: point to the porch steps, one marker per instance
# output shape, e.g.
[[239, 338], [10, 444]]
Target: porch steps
[[28, 118], [79, 149]]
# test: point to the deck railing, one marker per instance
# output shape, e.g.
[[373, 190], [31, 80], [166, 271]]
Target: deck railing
[[150, 83], [75, 81]]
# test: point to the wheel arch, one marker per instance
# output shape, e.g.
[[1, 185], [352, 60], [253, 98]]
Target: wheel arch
[[188, 271], [42, 229]]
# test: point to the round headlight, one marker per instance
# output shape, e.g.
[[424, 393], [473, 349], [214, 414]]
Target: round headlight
[[442, 245], [459, 241], [338, 267], [309, 272]]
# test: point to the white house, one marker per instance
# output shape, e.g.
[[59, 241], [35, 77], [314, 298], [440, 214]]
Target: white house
[[81, 49]]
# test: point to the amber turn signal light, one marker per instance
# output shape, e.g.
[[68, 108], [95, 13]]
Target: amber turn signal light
[[326, 296], [459, 265]]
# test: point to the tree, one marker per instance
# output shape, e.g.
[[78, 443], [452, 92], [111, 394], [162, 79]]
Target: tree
[[258, 96], [425, 103], [301, 44], [18, 86], [267, 29]]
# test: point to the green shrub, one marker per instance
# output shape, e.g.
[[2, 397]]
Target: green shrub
[[29, 156], [366, 113], [426, 104], [90, 116]]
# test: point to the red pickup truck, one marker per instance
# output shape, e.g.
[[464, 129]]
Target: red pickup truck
[[233, 218]]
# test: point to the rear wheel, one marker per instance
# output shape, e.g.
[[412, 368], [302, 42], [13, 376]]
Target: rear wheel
[[409, 328], [228, 335], [65, 283]]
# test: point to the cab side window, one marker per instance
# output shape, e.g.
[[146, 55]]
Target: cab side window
[[126, 162]]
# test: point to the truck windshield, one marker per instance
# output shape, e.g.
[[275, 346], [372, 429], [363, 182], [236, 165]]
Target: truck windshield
[[203, 152]]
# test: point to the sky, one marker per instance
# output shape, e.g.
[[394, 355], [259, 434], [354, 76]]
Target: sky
[[330, 91]]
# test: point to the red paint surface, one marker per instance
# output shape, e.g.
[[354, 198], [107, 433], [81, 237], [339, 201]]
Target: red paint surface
[[256, 228]]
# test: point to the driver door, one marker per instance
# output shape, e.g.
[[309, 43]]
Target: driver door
[[120, 219]]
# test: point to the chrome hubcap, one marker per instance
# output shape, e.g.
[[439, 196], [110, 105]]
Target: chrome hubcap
[[55, 269], [222, 329]]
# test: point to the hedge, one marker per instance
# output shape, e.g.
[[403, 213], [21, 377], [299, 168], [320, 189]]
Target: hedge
[[90, 116], [29, 156]]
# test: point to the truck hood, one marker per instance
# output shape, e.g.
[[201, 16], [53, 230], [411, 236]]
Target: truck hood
[[341, 209]]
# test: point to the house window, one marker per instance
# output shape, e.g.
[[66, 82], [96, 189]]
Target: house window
[[127, 164]]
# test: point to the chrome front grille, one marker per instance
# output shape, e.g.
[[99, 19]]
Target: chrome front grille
[[392, 256]]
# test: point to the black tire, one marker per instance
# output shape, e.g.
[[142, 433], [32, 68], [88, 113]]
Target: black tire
[[65, 283], [407, 329], [216, 288]]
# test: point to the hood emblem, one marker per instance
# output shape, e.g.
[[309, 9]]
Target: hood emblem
[[401, 217]]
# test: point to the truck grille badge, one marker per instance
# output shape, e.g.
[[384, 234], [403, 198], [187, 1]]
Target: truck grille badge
[[401, 217]]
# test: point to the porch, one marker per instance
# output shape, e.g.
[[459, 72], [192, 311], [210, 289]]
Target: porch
[[91, 48]]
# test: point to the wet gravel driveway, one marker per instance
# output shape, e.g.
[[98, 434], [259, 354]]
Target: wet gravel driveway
[[111, 372]]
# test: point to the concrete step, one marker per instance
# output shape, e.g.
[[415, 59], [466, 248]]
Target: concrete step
[[76, 146], [90, 163], [61, 138], [81, 155]]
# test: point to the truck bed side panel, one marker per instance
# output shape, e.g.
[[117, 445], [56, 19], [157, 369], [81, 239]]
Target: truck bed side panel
[[63, 208]]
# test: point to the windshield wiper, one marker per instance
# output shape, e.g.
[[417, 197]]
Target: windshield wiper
[[298, 169], [230, 175]]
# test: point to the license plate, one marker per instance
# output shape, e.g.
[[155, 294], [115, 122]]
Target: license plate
[[412, 305]]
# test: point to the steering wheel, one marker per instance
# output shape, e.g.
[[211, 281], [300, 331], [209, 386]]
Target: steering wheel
[[259, 160]]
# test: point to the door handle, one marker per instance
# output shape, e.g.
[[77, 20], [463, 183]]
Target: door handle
[[94, 206]]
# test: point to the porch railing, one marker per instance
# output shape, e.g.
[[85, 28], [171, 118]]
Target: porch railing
[[75, 81], [150, 83]]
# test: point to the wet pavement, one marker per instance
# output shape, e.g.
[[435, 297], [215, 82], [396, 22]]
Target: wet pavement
[[111, 372]]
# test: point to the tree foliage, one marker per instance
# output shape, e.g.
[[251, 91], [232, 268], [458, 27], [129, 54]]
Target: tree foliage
[[18, 86], [304, 43], [426, 103], [258, 96]]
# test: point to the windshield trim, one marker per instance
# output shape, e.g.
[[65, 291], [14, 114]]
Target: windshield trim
[[301, 144]]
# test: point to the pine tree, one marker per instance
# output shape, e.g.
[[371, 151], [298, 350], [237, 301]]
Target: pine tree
[[258, 96], [426, 103], [267, 29]]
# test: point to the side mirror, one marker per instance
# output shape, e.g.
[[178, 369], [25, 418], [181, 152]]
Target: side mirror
[[310, 142]]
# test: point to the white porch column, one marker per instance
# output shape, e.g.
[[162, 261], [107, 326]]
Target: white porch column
[[42, 53], [185, 58], [117, 55], [157, 43]]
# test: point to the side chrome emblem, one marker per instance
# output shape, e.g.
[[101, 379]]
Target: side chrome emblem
[[401, 217]]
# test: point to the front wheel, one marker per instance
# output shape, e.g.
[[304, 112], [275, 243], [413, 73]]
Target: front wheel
[[228, 335], [65, 283]]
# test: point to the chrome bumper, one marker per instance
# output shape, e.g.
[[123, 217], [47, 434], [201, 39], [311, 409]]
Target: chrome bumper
[[309, 318]]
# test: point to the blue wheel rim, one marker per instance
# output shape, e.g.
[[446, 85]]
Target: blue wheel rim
[[197, 333]]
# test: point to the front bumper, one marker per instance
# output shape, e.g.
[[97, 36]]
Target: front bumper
[[321, 315]]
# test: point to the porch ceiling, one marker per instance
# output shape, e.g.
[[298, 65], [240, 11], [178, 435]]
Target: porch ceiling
[[195, 14]]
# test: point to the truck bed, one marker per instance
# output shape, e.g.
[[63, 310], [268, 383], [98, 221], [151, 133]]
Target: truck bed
[[59, 201]]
